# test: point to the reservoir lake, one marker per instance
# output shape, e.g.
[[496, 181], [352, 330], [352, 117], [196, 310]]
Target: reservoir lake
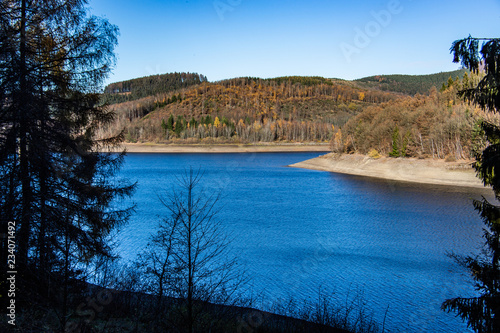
[[299, 231]]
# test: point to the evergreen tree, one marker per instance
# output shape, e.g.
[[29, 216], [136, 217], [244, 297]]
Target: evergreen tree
[[395, 143], [450, 82], [466, 82], [225, 121], [208, 120], [482, 313], [193, 123], [170, 123], [150, 85], [55, 184], [179, 125]]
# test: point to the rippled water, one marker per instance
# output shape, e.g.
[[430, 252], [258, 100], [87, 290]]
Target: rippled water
[[299, 230]]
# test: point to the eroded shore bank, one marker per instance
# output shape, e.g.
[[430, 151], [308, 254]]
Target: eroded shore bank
[[425, 171]]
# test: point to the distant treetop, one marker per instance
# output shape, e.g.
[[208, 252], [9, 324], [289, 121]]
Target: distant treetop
[[150, 85], [409, 84], [303, 80]]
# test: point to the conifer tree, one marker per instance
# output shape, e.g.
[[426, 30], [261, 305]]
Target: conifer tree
[[56, 185], [482, 312], [179, 125], [193, 123], [395, 143], [170, 123]]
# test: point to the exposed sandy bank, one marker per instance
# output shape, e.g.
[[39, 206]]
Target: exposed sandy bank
[[222, 148], [436, 172]]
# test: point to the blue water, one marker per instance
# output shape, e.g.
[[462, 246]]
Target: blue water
[[297, 231]]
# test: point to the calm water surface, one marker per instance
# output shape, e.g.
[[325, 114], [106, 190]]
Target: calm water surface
[[298, 231]]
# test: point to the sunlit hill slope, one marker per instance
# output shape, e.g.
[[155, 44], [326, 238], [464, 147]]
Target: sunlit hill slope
[[391, 114]]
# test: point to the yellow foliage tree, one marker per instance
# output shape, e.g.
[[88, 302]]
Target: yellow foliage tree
[[338, 138], [336, 143], [217, 122], [256, 125]]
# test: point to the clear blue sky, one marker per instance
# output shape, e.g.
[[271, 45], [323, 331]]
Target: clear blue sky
[[345, 39]]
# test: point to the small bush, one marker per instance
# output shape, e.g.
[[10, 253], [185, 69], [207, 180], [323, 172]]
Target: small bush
[[374, 154], [349, 314]]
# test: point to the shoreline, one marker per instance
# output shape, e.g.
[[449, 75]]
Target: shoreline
[[221, 148], [413, 170]]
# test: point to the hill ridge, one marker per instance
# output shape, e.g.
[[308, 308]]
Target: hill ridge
[[351, 116], [137, 88]]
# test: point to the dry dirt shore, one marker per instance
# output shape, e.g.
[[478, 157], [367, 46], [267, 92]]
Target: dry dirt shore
[[221, 148], [437, 172]]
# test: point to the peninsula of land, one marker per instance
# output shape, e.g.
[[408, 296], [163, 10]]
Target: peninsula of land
[[424, 171]]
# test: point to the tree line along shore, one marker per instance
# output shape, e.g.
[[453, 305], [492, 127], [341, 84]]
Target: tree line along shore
[[419, 117], [426, 171], [352, 116]]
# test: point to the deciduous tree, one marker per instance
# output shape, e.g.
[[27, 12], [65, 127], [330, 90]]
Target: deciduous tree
[[189, 257]]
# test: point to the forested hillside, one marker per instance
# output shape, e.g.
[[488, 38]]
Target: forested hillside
[[246, 110], [306, 109], [409, 84], [438, 125], [134, 89]]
